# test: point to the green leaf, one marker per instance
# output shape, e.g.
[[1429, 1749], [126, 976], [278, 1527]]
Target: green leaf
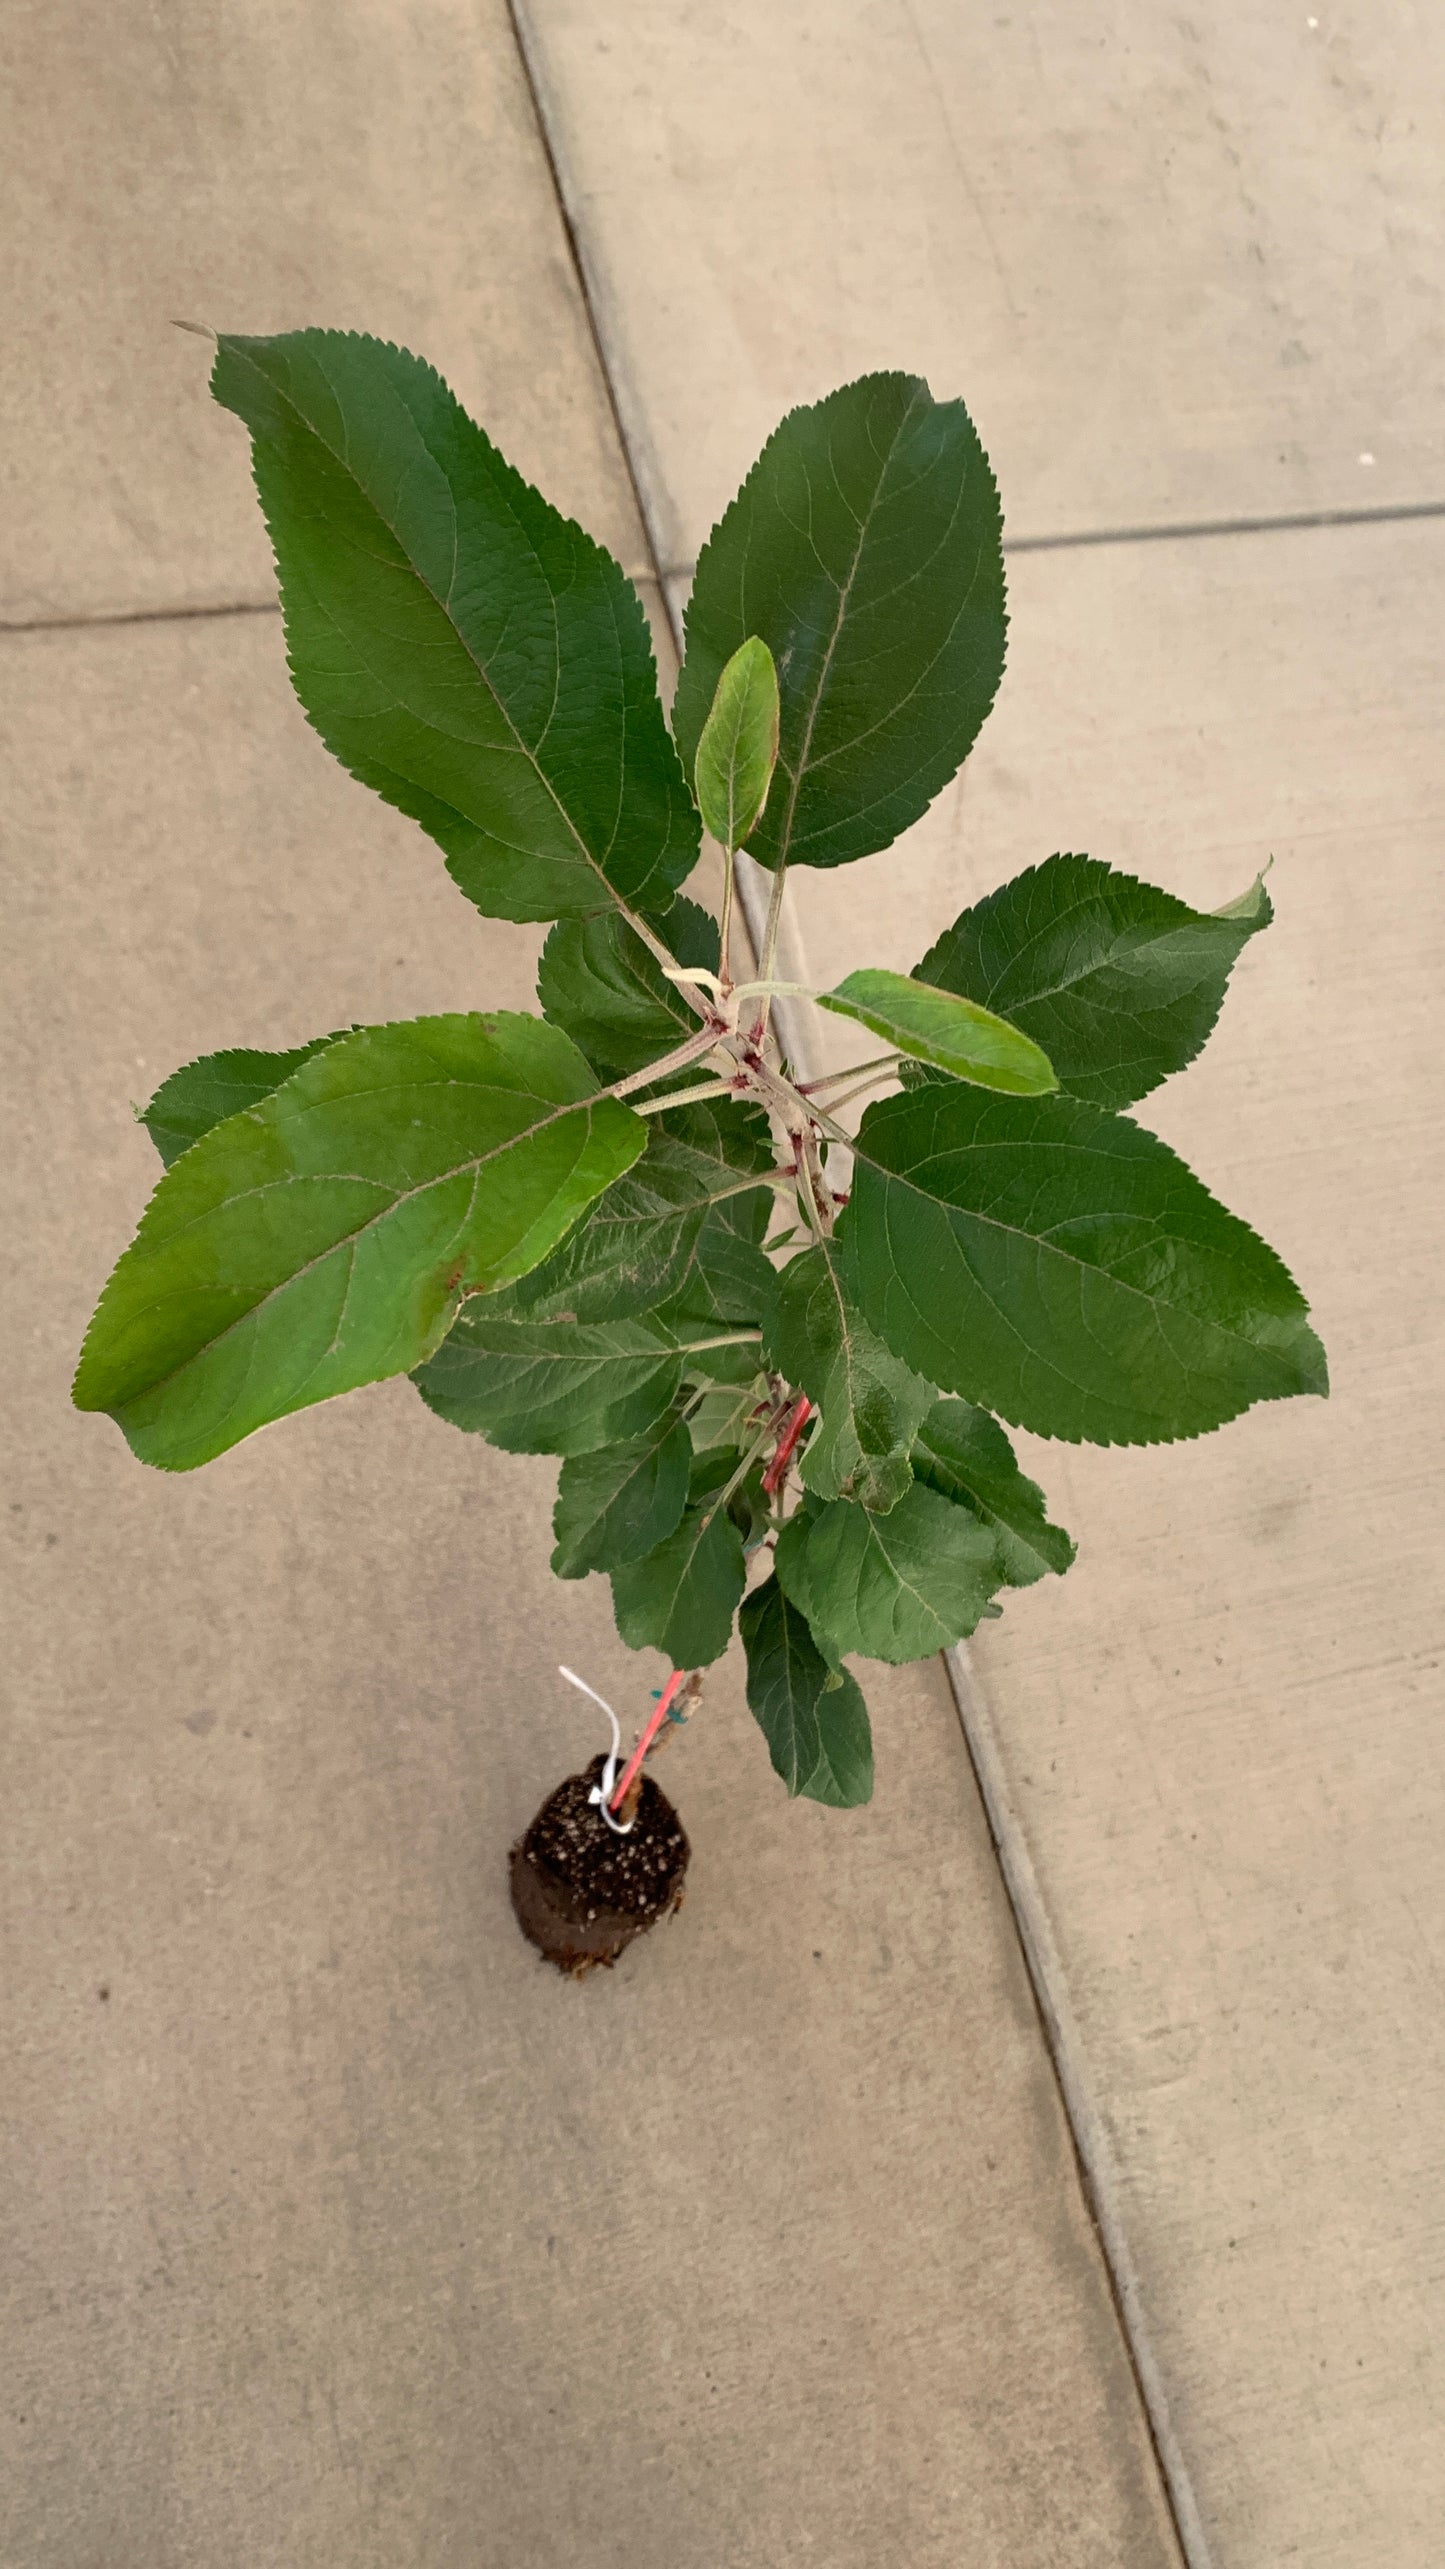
[[619, 1503], [205, 1092], [739, 745], [936, 1027], [890, 1587], [729, 1278], [864, 549], [1119, 982], [554, 1385], [635, 1248], [964, 1454], [598, 981], [817, 1730], [325, 1237], [461, 647], [871, 1404], [653, 1239], [682, 1598], [1064, 1268]]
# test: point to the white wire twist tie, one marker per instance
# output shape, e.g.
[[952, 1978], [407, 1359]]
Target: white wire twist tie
[[602, 1793]]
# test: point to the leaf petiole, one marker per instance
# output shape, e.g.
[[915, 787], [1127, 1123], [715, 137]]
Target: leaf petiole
[[686, 1096]]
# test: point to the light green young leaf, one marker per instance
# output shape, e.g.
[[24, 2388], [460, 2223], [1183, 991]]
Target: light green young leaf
[[864, 549], [205, 1092], [739, 746], [817, 1729], [683, 1597], [964, 1454], [619, 1503], [598, 981], [889, 1587], [1063, 1268], [462, 648], [934, 1026], [324, 1238], [1119, 982], [870, 1403]]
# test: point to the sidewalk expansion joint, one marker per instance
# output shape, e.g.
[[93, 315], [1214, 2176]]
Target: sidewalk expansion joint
[[139, 615], [1040, 1961], [1288, 522]]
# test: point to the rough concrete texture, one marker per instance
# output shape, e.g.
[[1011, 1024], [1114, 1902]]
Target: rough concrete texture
[[1183, 264], [337, 2230], [1176, 267], [366, 164]]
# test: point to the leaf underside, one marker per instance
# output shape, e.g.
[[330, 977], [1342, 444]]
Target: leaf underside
[[682, 1598], [870, 1404], [817, 1729], [891, 1587], [937, 1026]]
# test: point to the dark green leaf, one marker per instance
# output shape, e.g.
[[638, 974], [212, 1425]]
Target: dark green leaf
[[599, 981], [1119, 982], [555, 1386], [1062, 1267], [739, 745], [325, 1237], [205, 1092], [964, 1454], [864, 548], [635, 1248], [682, 1598], [619, 1503], [937, 1027], [817, 1730], [729, 1278], [662, 1236], [460, 646], [870, 1403], [890, 1587]]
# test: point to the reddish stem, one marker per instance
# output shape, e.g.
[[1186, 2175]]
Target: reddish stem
[[801, 1413], [658, 1716]]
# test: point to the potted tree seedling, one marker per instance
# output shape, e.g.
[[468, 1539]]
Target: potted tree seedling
[[624, 1231]]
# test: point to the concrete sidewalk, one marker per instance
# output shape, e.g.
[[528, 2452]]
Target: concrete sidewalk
[[1186, 272], [337, 2230]]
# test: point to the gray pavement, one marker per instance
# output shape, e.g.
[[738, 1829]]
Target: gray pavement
[[1185, 271], [335, 2228]]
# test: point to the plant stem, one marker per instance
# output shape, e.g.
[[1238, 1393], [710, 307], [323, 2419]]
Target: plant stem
[[735, 1338], [770, 943], [741, 1474], [749, 1186], [724, 963], [690, 1051], [685, 1097], [655, 946], [863, 1085], [655, 1737], [855, 1070]]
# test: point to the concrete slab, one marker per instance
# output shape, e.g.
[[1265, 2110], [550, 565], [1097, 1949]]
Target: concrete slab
[[1182, 265], [358, 163], [1213, 1751], [338, 2229]]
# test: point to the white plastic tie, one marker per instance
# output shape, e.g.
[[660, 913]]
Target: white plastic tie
[[601, 1794]]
